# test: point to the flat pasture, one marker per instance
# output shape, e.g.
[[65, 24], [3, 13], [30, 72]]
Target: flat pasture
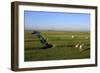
[[63, 42]]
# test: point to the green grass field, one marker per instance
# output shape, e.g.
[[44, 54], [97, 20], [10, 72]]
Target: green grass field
[[63, 46]]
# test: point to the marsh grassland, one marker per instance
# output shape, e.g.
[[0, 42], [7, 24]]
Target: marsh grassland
[[63, 42]]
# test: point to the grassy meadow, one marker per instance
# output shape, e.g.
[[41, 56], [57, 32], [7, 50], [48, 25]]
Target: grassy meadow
[[63, 46]]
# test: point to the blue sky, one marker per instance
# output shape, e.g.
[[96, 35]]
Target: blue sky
[[34, 20]]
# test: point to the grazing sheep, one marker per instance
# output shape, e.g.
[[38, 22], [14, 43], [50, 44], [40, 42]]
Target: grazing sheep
[[81, 47], [72, 36], [77, 45]]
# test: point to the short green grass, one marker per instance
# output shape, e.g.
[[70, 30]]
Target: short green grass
[[63, 46]]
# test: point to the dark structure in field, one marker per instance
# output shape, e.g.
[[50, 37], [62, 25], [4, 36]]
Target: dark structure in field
[[42, 40]]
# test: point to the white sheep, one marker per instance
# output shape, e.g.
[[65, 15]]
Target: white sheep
[[81, 47], [77, 45], [72, 36]]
